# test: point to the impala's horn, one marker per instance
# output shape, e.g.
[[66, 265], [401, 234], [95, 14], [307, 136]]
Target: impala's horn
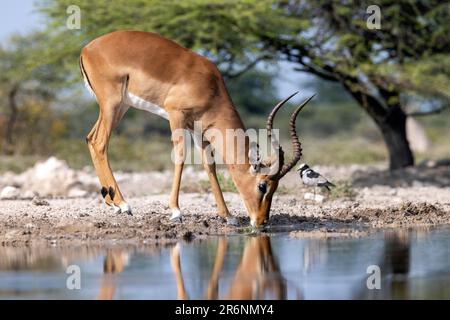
[[296, 145], [276, 148]]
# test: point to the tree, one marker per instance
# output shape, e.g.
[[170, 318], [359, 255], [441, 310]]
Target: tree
[[253, 91], [379, 68], [24, 75]]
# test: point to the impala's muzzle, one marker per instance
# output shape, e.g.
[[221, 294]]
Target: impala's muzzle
[[255, 223]]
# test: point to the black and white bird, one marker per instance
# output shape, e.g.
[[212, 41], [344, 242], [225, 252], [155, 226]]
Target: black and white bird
[[314, 179]]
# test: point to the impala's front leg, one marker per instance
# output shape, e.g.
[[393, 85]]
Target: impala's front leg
[[212, 293], [210, 168], [176, 267], [178, 139]]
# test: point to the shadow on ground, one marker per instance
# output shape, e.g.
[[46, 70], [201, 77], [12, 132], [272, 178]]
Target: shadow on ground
[[425, 174]]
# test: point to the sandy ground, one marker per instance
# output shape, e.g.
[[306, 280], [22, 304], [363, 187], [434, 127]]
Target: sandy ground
[[418, 196]]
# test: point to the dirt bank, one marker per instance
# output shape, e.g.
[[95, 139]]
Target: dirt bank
[[369, 198], [74, 221]]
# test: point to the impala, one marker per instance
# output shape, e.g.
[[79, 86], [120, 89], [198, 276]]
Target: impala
[[256, 277], [143, 70]]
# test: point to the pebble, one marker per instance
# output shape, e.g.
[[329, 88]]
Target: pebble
[[9, 193], [39, 202]]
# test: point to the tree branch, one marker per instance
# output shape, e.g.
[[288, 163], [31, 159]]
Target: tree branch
[[425, 113], [320, 73], [230, 75]]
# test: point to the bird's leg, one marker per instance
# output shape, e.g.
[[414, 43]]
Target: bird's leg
[[314, 194]]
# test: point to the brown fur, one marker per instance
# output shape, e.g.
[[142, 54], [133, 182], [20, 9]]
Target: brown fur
[[187, 86]]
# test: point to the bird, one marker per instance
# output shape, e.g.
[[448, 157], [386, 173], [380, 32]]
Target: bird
[[313, 179]]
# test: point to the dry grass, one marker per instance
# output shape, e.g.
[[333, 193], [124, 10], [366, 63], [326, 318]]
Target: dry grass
[[154, 153]]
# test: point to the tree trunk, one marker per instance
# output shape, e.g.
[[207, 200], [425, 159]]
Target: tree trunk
[[393, 128], [392, 122], [8, 147]]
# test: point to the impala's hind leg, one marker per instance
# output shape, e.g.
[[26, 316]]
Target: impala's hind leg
[[111, 112]]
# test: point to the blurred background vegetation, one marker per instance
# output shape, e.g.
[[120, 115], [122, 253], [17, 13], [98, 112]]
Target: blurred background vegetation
[[368, 82]]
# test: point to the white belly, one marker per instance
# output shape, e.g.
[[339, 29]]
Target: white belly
[[139, 103]]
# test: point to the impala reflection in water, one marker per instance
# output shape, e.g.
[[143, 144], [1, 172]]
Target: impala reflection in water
[[413, 264], [257, 276]]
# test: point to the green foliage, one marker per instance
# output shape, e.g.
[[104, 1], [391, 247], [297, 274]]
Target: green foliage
[[27, 86], [253, 92], [329, 39], [408, 55], [17, 163], [343, 189], [225, 182], [203, 22]]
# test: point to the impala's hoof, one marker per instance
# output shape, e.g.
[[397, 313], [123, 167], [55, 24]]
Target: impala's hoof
[[122, 208], [126, 209], [232, 221], [117, 209], [176, 215]]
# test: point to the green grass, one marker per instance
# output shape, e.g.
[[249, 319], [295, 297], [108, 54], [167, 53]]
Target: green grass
[[343, 189], [225, 182], [323, 144], [17, 163], [124, 154]]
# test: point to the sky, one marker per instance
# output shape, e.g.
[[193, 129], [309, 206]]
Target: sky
[[20, 16], [17, 16]]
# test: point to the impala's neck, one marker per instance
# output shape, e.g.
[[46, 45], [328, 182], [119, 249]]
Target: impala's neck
[[230, 140]]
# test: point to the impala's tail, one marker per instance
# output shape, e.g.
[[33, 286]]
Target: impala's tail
[[87, 83]]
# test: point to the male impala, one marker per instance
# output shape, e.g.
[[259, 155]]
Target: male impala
[[256, 277], [149, 72]]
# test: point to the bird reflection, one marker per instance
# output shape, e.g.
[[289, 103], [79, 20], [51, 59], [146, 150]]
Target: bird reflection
[[256, 277]]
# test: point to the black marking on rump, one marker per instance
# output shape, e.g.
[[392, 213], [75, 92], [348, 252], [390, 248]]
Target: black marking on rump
[[104, 192], [111, 193], [84, 73]]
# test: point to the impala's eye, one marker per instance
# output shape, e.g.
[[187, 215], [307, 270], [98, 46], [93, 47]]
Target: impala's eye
[[262, 187]]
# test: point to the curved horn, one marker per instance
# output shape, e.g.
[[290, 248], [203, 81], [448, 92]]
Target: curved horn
[[276, 166], [296, 145], [274, 112]]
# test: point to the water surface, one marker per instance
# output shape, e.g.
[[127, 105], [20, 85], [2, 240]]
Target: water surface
[[413, 264]]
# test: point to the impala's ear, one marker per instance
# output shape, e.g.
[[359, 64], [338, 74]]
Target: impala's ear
[[254, 158]]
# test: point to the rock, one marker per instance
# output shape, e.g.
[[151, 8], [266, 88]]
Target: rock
[[355, 205], [29, 194], [392, 192], [316, 198], [39, 202], [9, 192], [54, 177]]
